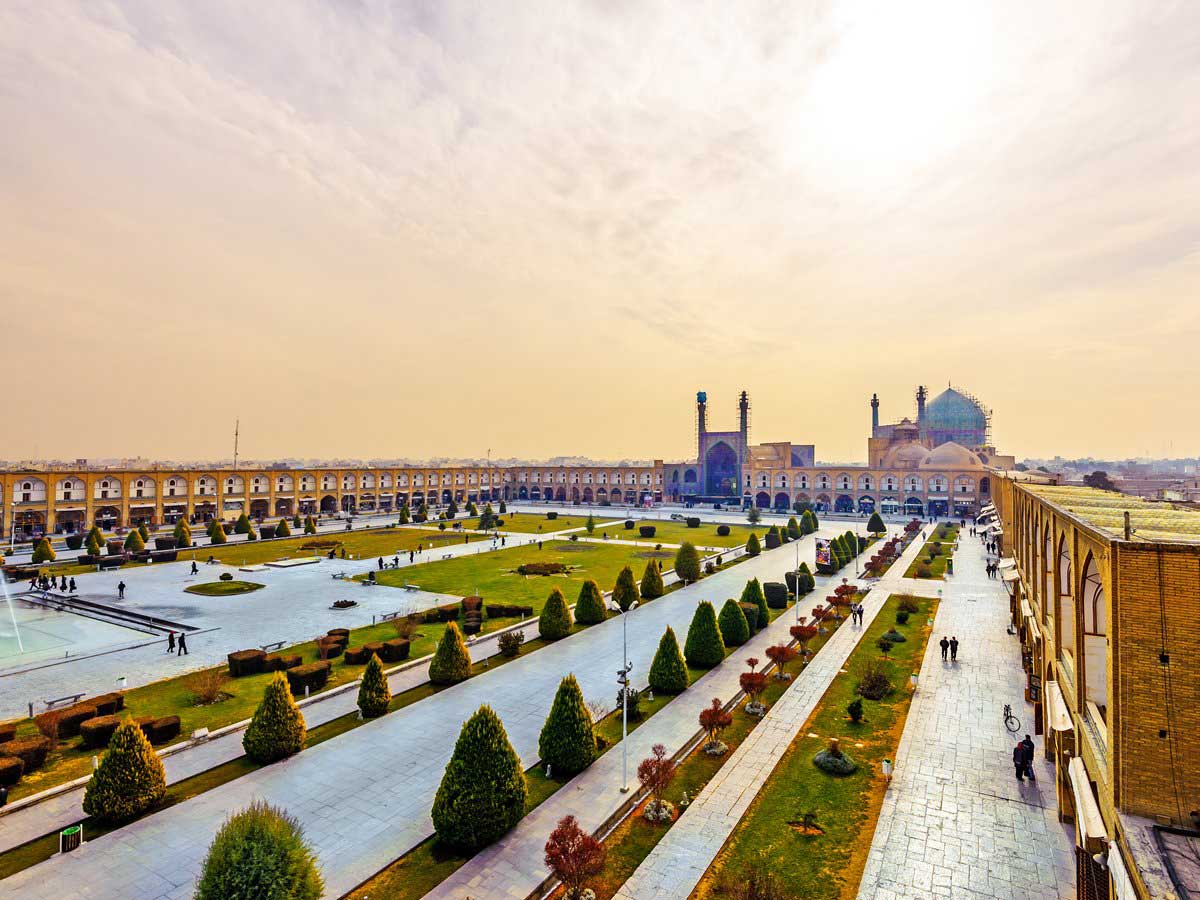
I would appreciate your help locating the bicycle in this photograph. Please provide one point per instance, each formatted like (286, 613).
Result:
(1011, 722)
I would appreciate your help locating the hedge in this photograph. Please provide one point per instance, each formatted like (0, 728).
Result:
(704, 647)
(246, 662)
(312, 676)
(31, 751)
(161, 730)
(567, 743)
(735, 630)
(692, 522)
(772, 539)
(647, 531)
(98, 732)
(69, 719)
(281, 663)
(776, 594)
(750, 611)
(11, 769)
(277, 729)
(129, 780)
(589, 607)
(396, 650)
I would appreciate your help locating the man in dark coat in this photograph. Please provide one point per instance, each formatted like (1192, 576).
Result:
(1027, 746)
(945, 645)
(953, 649)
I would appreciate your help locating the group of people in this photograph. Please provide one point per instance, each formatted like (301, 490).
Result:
(46, 582)
(949, 645)
(992, 569)
(1023, 759)
(856, 614)
(179, 648)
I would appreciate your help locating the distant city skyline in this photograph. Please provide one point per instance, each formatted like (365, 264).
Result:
(426, 229)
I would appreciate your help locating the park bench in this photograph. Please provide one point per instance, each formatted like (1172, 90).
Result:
(340, 576)
(447, 555)
(58, 701)
(274, 645)
(412, 587)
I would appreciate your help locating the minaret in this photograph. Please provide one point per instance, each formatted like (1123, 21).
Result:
(874, 414)
(701, 423)
(744, 417)
(921, 395)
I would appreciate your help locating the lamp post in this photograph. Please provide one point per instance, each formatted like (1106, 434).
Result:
(623, 681)
(797, 582)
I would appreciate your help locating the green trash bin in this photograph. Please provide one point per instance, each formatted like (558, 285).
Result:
(70, 838)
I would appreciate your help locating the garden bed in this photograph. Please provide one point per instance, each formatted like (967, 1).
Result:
(223, 588)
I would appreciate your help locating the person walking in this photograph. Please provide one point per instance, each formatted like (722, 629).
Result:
(183, 650)
(411, 555)
(1027, 756)
(195, 568)
(953, 648)
(72, 588)
(396, 561)
(170, 641)
(1018, 757)
(381, 564)
(121, 591)
(945, 645)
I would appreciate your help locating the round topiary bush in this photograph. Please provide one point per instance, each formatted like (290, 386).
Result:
(723, 530)
(260, 852)
(833, 761)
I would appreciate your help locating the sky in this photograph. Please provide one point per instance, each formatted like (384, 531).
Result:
(425, 229)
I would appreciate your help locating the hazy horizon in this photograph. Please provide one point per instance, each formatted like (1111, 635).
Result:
(429, 229)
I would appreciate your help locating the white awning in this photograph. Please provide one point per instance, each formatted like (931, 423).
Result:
(1010, 575)
(1007, 563)
(988, 507)
(994, 529)
(1088, 821)
(1025, 610)
(1059, 717)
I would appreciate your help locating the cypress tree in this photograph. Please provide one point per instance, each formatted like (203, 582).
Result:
(735, 630)
(483, 791)
(260, 852)
(283, 529)
(277, 729)
(875, 524)
(753, 548)
(451, 662)
(216, 534)
(687, 562)
(625, 591)
(567, 743)
(134, 542)
(793, 529)
(589, 608)
(753, 593)
(95, 541)
(182, 534)
(591, 523)
(704, 647)
(374, 695)
(503, 508)
(130, 778)
(43, 552)
(772, 540)
(852, 543)
(555, 619)
(814, 522)
(296, 522)
(144, 532)
(242, 526)
(310, 527)
(784, 537)
(652, 583)
(668, 671)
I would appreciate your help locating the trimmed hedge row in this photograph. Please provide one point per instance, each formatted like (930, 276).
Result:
(501, 611)
(312, 676)
(776, 594)
(31, 751)
(11, 769)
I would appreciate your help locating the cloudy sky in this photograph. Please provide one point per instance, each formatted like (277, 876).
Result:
(373, 228)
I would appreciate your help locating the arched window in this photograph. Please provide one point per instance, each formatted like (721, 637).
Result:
(1066, 605)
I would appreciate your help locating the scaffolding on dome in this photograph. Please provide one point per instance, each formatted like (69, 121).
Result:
(987, 414)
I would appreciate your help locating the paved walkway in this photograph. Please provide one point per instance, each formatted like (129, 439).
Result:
(364, 797)
(956, 822)
(677, 863)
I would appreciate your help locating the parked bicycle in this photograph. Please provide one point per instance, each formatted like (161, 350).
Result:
(1011, 722)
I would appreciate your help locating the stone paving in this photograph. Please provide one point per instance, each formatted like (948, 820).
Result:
(955, 821)
(364, 797)
(677, 863)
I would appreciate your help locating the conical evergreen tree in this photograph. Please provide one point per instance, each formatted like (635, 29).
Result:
(129, 780)
(374, 695)
(590, 525)
(451, 662)
(784, 537)
(687, 562)
(310, 526)
(405, 514)
(625, 592)
(43, 552)
(875, 524)
(735, 630)
(652, 582)
(483, 791)
(242, 525)
(772, 540)
(793, 529)
(567, 743)
(668, 671)
(753, 547)
(277, 729)
(134, 542)
(95, 541)
(283, 529)
(216, 534)
(144, 531)
(297, 522)
(753, 593)
(183, 534)
(813, 522)
(555, 619)
(260, 852)
(589, 608)
(704, 647)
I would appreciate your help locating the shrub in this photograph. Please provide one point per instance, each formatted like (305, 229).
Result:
(31, 751)
(43, 552)
(692, 521)
(668, 671)
(573, 856)
(833, 761)
(551, 516)
(94, 542)
(567, 743)
(161, 730)
(808, 522)
(510, 642)
(395, 650)
(924, 571)
(260, 852)
(793, 529)
(652, 582)
(750, 611)
(629, 523)
(625, 592)
(803, 634)
(555, 619)
(310, 527)
(217, 533)
(246, 662)
(776, 593)
(884, 645)
(894, 636)
(772, 540)
(242, 525)
(855, 710)
(875, 524)
(901, 617)
(630, 698)
(451, 663)
(373, 693)
(753, 548)
(134, 542)
(283, 529)
(753, 593)
(11, 769)
(647, 531)
(74, 541)
(656, 772)
(735, 630)
(873, 680)
(687, 562)
(129, 780)
(908, 604)
(715, 719)
(589, 608)
(97, 731)
(704, 647)
(723, 530)
(482, 793)
(277, 728)
(311, 676)
(67, 721)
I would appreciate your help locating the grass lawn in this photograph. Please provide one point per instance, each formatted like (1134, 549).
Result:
(493, 575)
(534, 523)
(223, 588)
(669, 532)
(940, 547)
(386, 542)
(827, 864)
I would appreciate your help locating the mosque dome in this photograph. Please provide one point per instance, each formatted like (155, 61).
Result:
(907, 455)
(954, 413)
(950, 456)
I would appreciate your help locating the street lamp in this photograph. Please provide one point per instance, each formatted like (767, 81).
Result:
(797, 582)
(623, 681)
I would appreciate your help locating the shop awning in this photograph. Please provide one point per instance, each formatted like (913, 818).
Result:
(1007, 563)
(1035, 633)
(988, 507)
(1025, 609)
(1088, 821)
(1059, 717)
(1010, 575)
